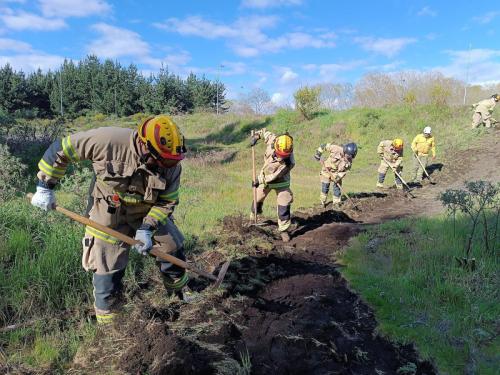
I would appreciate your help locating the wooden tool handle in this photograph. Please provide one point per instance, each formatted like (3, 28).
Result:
(129, 240)
(254, 178)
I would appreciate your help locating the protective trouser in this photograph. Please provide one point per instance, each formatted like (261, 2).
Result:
(479, 118)
(384, 167)
(417, 171)
(107, 257)
(325, 188)
(284, 197)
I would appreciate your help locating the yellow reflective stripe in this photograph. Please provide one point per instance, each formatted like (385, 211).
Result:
(130, 198)
(172, 196)
(68, 149)
(101, 235)
(278, 185)
(178, 283)
(50, 170)
(158, 215)
(105, 318)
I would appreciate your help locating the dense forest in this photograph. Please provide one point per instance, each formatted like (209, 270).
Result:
(92, 86)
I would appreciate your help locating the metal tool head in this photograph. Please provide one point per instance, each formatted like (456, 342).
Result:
(222, 274)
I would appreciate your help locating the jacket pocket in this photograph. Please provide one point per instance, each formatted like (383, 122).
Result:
(153, 188)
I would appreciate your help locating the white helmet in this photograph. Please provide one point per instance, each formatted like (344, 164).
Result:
(427, 130)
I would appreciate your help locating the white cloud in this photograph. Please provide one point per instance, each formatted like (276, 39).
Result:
(116, 42)
(487, 17)
(32, 61)
(14, 45)
(480, 65)
(330, 72)
(427, 11)
(278, 98)
(263, 4)
(246, 35)
(73, 8)
(388, 47)
(288, 76)
(29, 21)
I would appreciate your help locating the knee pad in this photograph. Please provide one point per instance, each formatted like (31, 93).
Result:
(325, 187)
(284, 213)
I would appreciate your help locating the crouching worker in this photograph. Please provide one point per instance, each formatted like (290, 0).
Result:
(334, 168)
(391, 155)
(137, 175)
(275, 175)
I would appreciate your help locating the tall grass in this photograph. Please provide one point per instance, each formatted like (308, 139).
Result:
(406, 270)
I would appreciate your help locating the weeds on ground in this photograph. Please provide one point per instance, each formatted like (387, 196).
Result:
(419, 295)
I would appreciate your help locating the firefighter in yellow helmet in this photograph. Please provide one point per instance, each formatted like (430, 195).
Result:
(391, 155)
(422, 145)
(135, 190)
(275, 175)
(483, 111)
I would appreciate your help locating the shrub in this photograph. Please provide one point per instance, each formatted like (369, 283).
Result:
(307, 101)
(12, 174)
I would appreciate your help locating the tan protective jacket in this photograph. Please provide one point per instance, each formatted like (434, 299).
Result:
(386, 150)
(485, 107)
(275, 173)
(337, 163)
(119, 169)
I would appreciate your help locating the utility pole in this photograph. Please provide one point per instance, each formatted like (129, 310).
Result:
(467, 75)
(60, 91)
(217, 89)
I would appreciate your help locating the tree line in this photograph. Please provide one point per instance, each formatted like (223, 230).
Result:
(92, 86)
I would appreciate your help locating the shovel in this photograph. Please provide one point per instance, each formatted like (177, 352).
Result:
(157, 252)
(348, 197)
(425, 170)
(400, 178)
(254, 179)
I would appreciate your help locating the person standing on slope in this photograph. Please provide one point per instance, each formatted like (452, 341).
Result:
(421, 145)
(334, 168)
(275, 175)
(483, 111)
(135, 190)
(390, 152)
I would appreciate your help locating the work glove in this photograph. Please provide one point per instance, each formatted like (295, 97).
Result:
(44, 198)
(255, 184)
(145, 236)
(253, 141)
(317, 156)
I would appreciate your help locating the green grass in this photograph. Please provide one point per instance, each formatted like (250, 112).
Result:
(406, 271)
(41, 277)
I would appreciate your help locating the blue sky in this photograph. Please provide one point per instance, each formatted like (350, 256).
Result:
(277, 45)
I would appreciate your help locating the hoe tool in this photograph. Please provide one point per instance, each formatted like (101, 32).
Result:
(400, 178)
(342, 191)
(156, 251)
(254, 179)
(425, 170)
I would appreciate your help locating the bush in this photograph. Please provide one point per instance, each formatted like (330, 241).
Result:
(307, 101)
(12, 174)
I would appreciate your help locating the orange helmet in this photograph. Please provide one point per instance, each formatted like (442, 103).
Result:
(162, 137)
(397, 144)
(283, 145)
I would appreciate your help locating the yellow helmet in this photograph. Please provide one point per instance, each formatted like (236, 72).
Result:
(283, 145)
(397, 144)
(162, 137)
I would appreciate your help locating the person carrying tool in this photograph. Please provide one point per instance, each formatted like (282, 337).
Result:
(390, 152)
(421, 145)
(275, 175)
(334, 168)
(135, 190)
(483, 111)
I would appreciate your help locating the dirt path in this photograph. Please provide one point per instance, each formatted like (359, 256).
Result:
(285, 307)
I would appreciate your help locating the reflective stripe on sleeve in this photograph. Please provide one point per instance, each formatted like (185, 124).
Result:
(68, 149)
(158, 214)
(50, 170)
(172, 196)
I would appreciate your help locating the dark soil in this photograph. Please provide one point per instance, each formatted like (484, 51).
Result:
(285, 307)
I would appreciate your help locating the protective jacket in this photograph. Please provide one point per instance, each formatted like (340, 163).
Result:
(336, 165)
(119, 170)
(485, 107)
(387, 151)
(422, 145)
(275, 173)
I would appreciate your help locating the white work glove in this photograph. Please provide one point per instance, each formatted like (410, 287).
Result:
(145, 237)
(44, 198)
